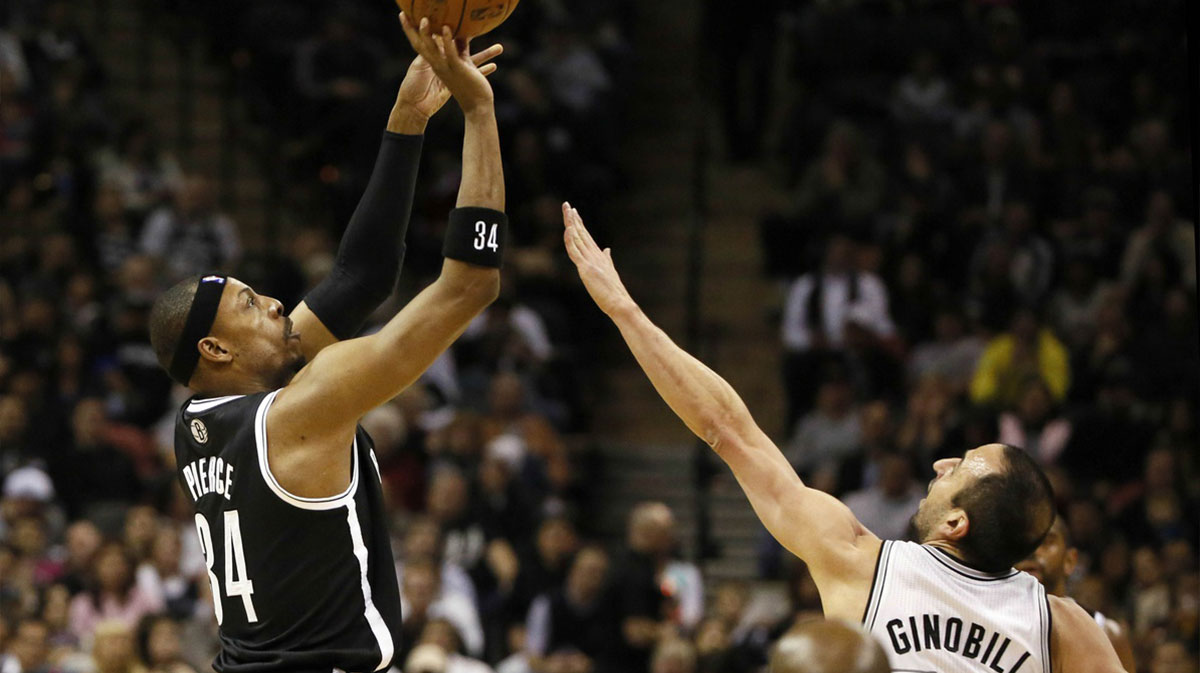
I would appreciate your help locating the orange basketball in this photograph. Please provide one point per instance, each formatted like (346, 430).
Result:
(468, 18)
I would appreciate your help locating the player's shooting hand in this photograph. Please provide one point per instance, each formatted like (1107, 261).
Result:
(424, 93)
(463, 76)
(595, 266)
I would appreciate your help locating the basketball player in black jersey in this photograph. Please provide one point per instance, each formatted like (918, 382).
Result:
(1052, 563)
(289, 509)
(971, 526)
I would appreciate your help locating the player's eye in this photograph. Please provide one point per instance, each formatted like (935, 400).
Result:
(249, 300)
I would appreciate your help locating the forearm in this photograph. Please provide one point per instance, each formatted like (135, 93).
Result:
(705, 402)
(372, 248)
(482, 170)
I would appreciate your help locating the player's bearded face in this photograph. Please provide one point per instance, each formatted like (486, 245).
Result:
(264, 337)
(934, 507)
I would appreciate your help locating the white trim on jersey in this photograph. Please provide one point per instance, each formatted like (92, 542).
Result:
(378, 628)
(1047, 626)
(331, 502)
(200, 406)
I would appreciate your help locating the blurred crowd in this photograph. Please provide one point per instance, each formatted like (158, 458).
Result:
(988, 240)
(989, 237)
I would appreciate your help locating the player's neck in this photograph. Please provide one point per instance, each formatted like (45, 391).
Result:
(232, 385)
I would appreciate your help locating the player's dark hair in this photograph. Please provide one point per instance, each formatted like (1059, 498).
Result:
(1009, 512)
(168, 317)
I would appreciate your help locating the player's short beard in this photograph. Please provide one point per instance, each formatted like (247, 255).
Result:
(923, 521)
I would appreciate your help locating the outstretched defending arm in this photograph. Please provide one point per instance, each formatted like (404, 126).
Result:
(371, 252)
(811, 524)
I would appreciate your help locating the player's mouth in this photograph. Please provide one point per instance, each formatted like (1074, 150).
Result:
(287, 330)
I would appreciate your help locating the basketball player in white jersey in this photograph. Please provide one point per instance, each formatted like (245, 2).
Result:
(952, 604)
(1052, 563)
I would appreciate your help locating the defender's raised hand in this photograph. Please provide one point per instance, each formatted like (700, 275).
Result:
(595, 266)
(453, 64)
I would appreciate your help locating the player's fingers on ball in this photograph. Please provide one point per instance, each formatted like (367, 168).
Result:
(449, 46)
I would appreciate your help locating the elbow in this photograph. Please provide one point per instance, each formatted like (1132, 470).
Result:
(722, 433)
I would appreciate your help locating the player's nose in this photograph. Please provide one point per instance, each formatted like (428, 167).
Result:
(275, 307)
(944, 465)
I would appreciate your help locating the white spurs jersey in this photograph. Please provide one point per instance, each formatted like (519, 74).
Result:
(935, 615)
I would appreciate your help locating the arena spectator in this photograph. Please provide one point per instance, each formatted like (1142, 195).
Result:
(1034, 425)
(111, 596)
(830, 433)
(1027, 351)
(144, 175)
(951, 355)
(641, 606)
(424, 601)
(887, 507)
(571, 627)
(28, 648)
(817, 308)
(191, 236)
(158, 646)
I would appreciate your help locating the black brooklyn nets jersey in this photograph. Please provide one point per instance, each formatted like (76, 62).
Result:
(299, 584)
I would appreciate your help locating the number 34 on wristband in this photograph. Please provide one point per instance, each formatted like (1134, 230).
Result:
(485, 236)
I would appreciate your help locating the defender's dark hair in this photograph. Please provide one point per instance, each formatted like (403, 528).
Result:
(1009, 512)
(168, 317)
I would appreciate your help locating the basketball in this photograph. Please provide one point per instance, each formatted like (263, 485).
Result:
(469, 18)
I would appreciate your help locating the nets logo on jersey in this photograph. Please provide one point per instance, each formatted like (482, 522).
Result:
(199, 430)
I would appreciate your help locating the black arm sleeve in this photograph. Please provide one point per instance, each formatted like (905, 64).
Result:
(372, 248)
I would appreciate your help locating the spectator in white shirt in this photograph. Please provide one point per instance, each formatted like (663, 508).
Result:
(422, 601)
(815, 314)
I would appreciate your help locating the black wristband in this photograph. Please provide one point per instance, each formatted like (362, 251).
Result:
(476, 236)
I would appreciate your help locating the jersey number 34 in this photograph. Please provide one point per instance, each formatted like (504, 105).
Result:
(236, 582)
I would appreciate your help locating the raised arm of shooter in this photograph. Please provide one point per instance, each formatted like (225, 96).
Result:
(371, 252)
(813, 525)
(312, 420)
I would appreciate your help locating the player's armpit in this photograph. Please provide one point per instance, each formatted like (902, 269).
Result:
(1077, 643)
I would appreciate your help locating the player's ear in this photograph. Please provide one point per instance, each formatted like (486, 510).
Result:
(956, 524)
(212, 350)
(1070, 560)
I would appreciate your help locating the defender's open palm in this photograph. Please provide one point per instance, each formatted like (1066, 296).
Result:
(595, 266)
(451, 61)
